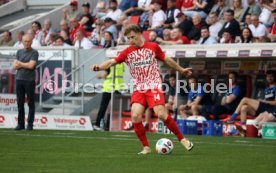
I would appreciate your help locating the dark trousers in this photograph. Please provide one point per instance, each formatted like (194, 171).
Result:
(25, 87)
(104, 103)
(219, 110)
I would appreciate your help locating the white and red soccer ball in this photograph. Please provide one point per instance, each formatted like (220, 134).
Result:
(164, 146)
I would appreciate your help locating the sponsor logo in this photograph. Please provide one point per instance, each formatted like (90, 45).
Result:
(43, 120)
(244, 53)
(2, 119)
(82, 121)
(65, 121)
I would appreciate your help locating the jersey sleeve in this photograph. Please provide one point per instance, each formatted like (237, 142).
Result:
(159, 53)
(237, 90)
(121, 57)
(190, 96)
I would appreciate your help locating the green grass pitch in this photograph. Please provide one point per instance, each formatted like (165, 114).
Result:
(41, 151)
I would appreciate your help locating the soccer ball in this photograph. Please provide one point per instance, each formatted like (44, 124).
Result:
(164, 146)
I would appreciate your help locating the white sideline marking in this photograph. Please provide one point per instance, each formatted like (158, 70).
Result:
(235, 143)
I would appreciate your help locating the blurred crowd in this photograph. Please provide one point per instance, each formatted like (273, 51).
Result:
(162, 21)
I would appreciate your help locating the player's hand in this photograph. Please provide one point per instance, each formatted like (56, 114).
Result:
(95, 67)
(187, 72)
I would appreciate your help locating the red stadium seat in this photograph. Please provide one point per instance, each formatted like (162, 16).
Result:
(146, 35)
(134, 20)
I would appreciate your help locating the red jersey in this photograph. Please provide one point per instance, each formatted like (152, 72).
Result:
(143, 65)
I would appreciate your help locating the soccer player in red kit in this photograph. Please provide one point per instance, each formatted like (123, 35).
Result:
(141, 58)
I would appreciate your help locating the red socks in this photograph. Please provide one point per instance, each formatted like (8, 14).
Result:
(170, 123)
(141, 133)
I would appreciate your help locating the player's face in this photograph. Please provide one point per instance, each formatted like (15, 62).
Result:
(192, 84)
(270, 78)
(134, 39)
(231, 79)
(172, 81)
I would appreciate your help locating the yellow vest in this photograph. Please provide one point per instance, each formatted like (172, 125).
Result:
(119, 80)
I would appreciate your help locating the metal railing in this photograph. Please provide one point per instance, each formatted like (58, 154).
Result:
(80, 69)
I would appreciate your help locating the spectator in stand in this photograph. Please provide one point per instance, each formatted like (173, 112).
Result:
(231, 98)
(196, 99)
(202, 8)
(63, 25)
(152, 36)
(122, 39)
(86, 19)
(128, 6)
(7, 39)
(60, 42)
(272, 35)
(114, 12)
(75, 26)
(52, 39)
(247, 21)
(73, 13)
(184, 24)
(176, 38)
(246, 36)
(81, 41)
(171, 15)
(215, 25)
(144, 6)
(230, 24)
(258, 29)
(249, 106)
(101, 8)
(188, 5)
(35, 42)
(227, 37)
(219, 8)
(19, 44)
(95, 36)
(253, 8)
(36, 26)
(109, 25)
(108, 40)
(238, 10)
(267, 7)
(65, 35)
(166, 34)
(46, 31)
(158, 17)
(194, 34)
(205, 37)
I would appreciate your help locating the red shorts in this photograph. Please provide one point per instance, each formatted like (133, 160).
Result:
(149, 98)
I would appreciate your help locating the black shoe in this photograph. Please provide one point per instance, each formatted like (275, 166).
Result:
(29, 127)
(147, 127)
(18, 127)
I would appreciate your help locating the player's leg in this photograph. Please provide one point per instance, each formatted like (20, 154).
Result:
(148, 114)
(183, 110)
(136, 114)
(254, 104)
(267, 117)
(246, 110)
(195, 109)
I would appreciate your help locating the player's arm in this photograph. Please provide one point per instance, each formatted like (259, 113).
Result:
(270, 102)
(27, 65)
(196, 101)
(228, 99)
(104, 66)
(171, 63)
